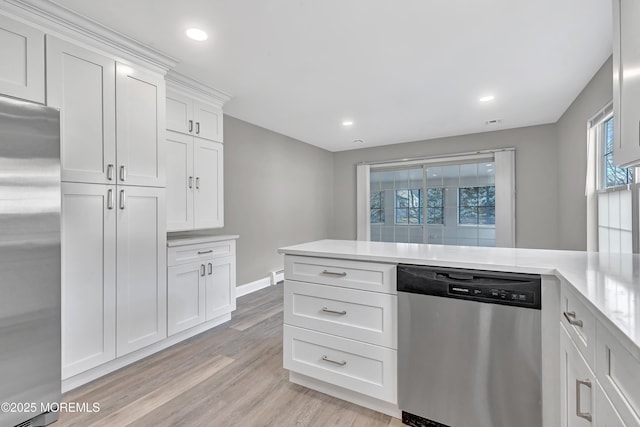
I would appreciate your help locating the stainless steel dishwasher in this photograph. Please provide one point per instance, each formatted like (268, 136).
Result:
(469, 348)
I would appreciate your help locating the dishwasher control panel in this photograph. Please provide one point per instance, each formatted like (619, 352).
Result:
(496, 294)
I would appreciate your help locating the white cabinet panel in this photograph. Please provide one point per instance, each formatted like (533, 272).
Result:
(185, 296)
(606, 415)
(579, 323)
(22, 65)
(221, 286)
(81, 84)
(626, 85)
(88, 277)
(180, 182)
(140, 127)
(179, 113)
(208, 121)
(209, 187)
(141, 275)
(578, 385)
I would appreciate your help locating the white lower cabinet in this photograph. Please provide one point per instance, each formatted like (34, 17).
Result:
(338, 337)
(578, 385)
(201, 283)
(113, 267)
(606, 414)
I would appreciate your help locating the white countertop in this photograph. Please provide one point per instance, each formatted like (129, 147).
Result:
(610, 282)
(195, 237)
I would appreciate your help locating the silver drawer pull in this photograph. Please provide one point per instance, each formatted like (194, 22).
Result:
(333, 273)
(328, 310)
(335, 362)
(202, 270)
(205, 252)
(571, 318)
(586, 415)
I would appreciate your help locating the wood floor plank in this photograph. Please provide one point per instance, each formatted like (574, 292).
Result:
(194, 384)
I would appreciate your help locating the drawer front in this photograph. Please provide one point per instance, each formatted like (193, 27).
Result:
(363, 368)
(177, 255)
(606, 414)
(619, 373)
(368, 276)
(580, 324)
(359, 315)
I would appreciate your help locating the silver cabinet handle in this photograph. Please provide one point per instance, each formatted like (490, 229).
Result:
(123, 173)
(571, 318)
(586, 415)
(333, 273)
(190, 182)
(328, 310)
(197, 183)
(335, 362)
(123, 200)
(110, 172)
(210, 268)
(205, 252)
(197, 128)
(190, 125)
(110, 199)
(202, 271)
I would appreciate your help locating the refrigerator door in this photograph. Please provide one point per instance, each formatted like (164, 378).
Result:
(29, 259)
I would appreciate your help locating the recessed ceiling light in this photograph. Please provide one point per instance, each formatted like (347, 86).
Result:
(196, 34)
(487, 98)
(347, 123)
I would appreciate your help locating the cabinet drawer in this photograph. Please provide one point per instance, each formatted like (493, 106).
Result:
(349, 313)
(203, 251)
(368, 276)
(619, 373)
(579, 322)
(364, 368)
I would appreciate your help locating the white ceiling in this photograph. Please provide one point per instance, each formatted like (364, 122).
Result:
(402, 70)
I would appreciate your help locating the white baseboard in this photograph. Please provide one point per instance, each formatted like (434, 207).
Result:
(253, 286)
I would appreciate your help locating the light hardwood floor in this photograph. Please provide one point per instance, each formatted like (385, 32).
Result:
(231, 375)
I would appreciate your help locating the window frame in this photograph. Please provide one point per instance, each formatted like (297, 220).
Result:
(460, 224)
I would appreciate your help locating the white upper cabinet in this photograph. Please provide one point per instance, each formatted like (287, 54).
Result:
(140, 130)
(180, 181)
(208, 199)
(81, 83)
(192, 117)
(22, 65)
(626, 84)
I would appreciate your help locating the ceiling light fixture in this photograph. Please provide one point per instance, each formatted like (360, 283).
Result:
(358, 141)
(347, 123)
(487, 98)
(196, 34)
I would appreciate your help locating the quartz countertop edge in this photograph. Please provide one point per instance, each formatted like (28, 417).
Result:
(598, 278)
(194, 239)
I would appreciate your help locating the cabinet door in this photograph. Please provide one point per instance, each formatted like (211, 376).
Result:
(88, 277)
(141, 274)
(22, 65)
(179, 113)
(180, 182)
(577, 386)
(626, 63)
(81, 84)
(140, 127)
(221, 286)
(185, 296)
(606, 415)
(209, 190)
(208, 121)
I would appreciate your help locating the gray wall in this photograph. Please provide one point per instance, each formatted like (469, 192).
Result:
(572, 157)
(278, 192)
(536, 178)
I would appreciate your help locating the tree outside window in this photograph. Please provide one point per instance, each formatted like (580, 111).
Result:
(435, 206)
(408, 207)
(612, 176)
(377, 207)
(477, 205)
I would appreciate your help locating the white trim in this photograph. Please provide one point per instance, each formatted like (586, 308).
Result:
(363, 191)
(256, 285)
(120, 362)
(456, 157)
(56, 18)
(195, 89)
(276, 276)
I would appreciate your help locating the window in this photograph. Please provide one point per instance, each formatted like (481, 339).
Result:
(409, 206)
(435, 206)
(612, 176)
(377, 207)
(477, 205)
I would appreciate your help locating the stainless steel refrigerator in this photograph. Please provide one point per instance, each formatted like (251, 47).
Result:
(29, 262)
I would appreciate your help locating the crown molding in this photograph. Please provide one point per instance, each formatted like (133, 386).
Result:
(58, 18)
(194, 88)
